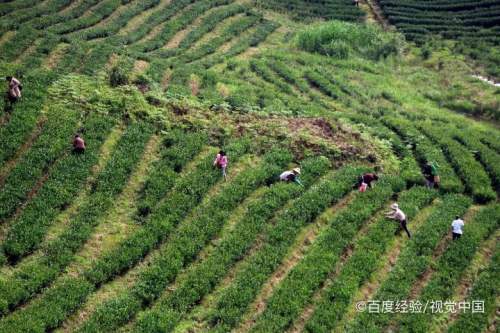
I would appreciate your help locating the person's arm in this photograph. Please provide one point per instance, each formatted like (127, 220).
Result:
(297, 180)
(390, 214)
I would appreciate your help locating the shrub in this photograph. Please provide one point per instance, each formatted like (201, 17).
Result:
(118, 76)
(342, 40)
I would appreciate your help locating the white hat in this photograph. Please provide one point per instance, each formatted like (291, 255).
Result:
(296, 170)
(394, 206)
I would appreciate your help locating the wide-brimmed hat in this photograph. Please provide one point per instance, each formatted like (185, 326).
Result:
(296, 170)
(394, 206)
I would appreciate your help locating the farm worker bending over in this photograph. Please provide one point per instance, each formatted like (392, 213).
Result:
(456, 228)
(221, 162)
(367, 179)
(398, 215)
(14, 92)
(431, 174)
(291, 176)
(78, 145)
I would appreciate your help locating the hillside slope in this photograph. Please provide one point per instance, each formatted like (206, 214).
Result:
(142, 234)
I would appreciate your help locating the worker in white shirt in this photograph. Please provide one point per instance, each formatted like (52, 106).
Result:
(291, 176)
(457, 227)
(399, 216)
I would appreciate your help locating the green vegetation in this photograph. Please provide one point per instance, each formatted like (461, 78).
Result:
(343, 40)
(335, 300)
(474, 24)
(485, 289)
(202, 278)
(452, 263)
(235, 299)
(307, 276)
(309, 9)
(158, 87)
(413, 261)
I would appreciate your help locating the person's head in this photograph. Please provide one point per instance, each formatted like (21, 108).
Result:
(296, 171)
(457, 217)
(375, 176)
(77, 136)
(222, 153)
(8, 78)
(394, 206)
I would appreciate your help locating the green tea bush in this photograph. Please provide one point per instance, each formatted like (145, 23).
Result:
(489, 158)
(485, 288)
(52, 144)
(236, 297)
(100, 12)
(21, 15)
(426, 151)
(58, 253)
(178, 23)
(9, 7)
(177, 149)
(306, 10)
(46, 21)
(25, 114)
(60, 189)
(476, 181)
(113, 26)
(368, 250)
(451, 265)
(185, 195)
(203, 278)
(184, 244)
(296, 290)
(412, 261)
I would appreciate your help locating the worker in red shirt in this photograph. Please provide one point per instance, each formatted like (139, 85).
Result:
(78, 145)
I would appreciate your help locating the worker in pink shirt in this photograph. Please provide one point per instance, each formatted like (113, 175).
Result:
(78, 145)
(14, 92)
(221, 162)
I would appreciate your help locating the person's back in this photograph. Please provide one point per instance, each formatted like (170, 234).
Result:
(399, 215)
(78, 144)
(427, 170)
(14, 87)
(221, 162)
(291, 176)
(287, 175)
(368, 178)
(457, 227)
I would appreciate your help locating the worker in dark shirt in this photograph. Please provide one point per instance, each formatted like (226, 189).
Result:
(368, 178)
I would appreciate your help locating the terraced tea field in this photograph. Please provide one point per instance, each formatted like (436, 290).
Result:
(142, 234)
(475, 23)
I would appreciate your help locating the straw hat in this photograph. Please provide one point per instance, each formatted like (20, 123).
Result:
(296, 170)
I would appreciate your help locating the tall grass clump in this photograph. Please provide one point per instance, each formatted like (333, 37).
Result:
(343, 40)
